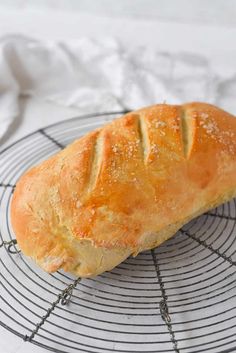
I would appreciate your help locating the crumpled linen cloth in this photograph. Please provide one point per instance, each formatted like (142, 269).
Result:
(98, 76)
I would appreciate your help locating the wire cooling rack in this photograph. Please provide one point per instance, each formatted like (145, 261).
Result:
(180, 297)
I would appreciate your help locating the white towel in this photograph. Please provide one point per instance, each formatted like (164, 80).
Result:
(102, 75)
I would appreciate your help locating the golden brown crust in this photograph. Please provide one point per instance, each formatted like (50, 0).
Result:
(125, 187)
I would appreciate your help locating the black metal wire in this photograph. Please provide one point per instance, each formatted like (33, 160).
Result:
(164, 310)
(63, 297)
(209, 247)
(58, 144)
(7, 185)
(197, 272)
(9, 245)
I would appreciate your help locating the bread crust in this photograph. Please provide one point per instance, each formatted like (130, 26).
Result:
(125, 187)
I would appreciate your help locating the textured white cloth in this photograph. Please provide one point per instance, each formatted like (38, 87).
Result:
(102, 75)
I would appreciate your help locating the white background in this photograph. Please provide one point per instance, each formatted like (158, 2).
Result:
(202, 26)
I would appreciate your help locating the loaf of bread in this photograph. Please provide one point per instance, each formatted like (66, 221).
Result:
(126, 187)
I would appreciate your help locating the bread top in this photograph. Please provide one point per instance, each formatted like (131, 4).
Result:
(132, 178)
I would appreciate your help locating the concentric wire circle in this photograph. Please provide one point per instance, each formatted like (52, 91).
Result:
(119, 311)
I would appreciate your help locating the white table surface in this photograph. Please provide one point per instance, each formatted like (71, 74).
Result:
(216, 42)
